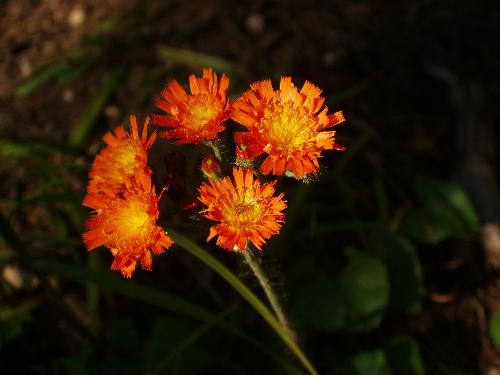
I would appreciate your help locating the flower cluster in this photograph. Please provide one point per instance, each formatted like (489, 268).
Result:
(285, 132)
(124, 201)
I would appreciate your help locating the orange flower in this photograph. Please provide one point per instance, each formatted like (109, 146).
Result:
(245, 209)
(287, 125)
(127, 225)
(119, 160)
(196, 117)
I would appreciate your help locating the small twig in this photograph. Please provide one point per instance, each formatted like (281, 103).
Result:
(268, 290)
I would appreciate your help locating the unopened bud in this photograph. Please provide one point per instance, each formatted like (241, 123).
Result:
(210, 167)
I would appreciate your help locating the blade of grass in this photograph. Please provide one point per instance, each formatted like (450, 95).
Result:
(191, 339)
(246, 293)
(89, 118)
(36, 81)
(124, 287)
(195, 59)
(153, 297)
(114, 284)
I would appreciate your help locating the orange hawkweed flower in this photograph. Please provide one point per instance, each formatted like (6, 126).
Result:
(287, 124)
(127, 225)
(119, 160)
(196, 117)
(245, 209)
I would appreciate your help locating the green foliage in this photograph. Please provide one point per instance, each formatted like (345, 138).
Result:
(246, 293)
(444, 211)
(403, 266)
(196, 59)
(400, 356)
(13, 319)
(494, 328)
(354, 301)
(38, 80)
(64, 72)
(339, 299)
(365, 363)
(89, 118)
(404, 357)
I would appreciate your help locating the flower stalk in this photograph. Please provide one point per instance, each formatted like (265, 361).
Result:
(269, 291)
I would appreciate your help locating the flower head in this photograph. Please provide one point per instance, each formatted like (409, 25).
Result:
(119, 160)
(245, 209)
(127, 224)
(196, 117)
(287, 124)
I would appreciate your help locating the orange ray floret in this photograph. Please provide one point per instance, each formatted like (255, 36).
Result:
(127, 225)
(245, 209)
(287, 124)
(196, 117)
(119, 160)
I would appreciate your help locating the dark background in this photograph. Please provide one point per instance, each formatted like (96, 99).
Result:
(388, 261)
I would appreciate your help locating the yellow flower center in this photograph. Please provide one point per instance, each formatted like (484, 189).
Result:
(201, 109)
(124, 158)
(244, 212)
(133, 220)
(287, 128)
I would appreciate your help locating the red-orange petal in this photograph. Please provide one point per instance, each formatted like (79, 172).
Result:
(197, 116)
(287, 125)
(245, 209)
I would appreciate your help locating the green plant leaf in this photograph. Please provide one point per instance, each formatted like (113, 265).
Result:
(354, 301)
(245, 292)
(403, 266)
(365, 363)
(13, 319)
(404, 357)
(495, 328)
(445, 211)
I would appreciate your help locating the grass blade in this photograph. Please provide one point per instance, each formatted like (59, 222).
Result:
(133, 290)
(89, 118)
(38, 80)
(153, 297)
(195, 59)
(191, 339)
(245, 292)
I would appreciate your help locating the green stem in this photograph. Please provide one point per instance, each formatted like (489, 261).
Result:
(246, 293)
(215, 149)
(268, 290)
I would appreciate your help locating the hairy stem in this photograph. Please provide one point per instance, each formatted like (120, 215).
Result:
(268, 290)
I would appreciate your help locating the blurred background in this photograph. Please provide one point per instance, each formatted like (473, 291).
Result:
(389, 259)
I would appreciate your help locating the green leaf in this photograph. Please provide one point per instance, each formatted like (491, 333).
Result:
(404, 357)
(403, 266)
(196, 59)
(90, 116)
(354, 301)
(245, 292)
(445, 211)
(495, 328)
(13, 319)
(365, 363)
